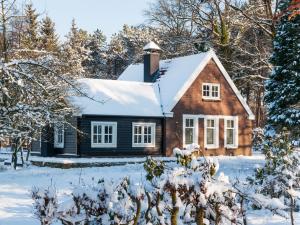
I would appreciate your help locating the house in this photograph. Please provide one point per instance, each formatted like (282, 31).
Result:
(153, 107)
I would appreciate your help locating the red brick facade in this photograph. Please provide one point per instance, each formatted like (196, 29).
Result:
(192, 103)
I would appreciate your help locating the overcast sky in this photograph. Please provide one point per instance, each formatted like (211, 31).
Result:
(107, 15)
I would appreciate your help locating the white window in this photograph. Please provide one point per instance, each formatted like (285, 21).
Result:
(231, 132)
(143, 134)
(103, 134)
(190, 130)
(59, 135)
(211, 133)
(210, 91)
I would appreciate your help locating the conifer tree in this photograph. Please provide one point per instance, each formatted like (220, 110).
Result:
(30, 38)
(96, 62)
(75, 51)
(283, 87)
(49, 39)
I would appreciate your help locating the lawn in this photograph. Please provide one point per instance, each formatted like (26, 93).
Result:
(16, 204)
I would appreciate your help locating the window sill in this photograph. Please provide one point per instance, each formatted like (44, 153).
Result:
(231, 147)
(103, 146)
(211, 147)
(143, 146)
(59, 147)
(211, 99)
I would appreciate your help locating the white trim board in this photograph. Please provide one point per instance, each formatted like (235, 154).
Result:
(211, 55)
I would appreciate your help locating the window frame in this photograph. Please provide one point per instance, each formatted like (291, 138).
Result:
(216, 133)
(235, 132)
(211, 85)
(114, 134)
(153, 134)
(56, 143)
(195, 130)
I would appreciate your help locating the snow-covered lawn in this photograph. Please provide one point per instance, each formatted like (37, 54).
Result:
(16, 204)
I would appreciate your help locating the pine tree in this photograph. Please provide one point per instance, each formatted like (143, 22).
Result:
(75, 51)
(30, 38)
(283, 87)
(49, 39)
(96, 62)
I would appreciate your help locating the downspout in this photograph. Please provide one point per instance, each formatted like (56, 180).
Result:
(164, 121)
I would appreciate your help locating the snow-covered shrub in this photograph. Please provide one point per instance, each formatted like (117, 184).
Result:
(279, 179)
(191, 193)
(45, 204)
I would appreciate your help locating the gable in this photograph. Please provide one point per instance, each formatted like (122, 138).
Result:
(191, 102)
(218, 65)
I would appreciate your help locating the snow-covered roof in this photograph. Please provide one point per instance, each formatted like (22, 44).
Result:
(179, 74)
(130, 96)
(118, 98)
(151, 46)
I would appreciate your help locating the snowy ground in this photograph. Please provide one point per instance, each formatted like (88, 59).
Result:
(16, 204)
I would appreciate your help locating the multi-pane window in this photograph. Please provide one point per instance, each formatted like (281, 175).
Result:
(143, 135)
(59, 135)
(211, 91)
(231, 138)
(211, 133)
(206, 88)
(189, 131)
(104, 134)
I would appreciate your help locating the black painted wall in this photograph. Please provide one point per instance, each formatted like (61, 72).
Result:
(124, 137)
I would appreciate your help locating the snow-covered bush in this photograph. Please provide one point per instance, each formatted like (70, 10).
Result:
(45, 204)
(280, 177)
(189, 192)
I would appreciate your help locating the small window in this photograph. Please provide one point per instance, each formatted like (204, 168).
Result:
(59, 135)
(104, 134)
(211, 133)
(231, 133)
(143, 135)
(211, 91)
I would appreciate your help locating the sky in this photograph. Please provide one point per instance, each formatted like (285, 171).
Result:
(106, 15)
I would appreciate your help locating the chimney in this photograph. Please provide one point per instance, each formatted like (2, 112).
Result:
(151, 62)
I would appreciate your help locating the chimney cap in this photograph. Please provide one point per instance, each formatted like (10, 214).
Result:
(152, 47)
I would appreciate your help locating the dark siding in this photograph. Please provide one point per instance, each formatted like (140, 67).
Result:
(124, 137)
(36, 147)
(70, 139)
(45, 146)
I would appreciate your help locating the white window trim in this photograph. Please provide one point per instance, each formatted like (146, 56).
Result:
(56, 144)
(235, 132)
(114, 135)
(153, 135)
(210, 97)
(216, 133)
(195, 131)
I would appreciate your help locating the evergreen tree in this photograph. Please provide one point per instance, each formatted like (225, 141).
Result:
(75, 51)
(49, 39)
(29, 39)
(96, 62)
(283, 87)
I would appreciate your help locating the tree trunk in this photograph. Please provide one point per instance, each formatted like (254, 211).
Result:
(243, 211)
(292, 210)
(175, 209)
(28, 154)
(147, 214)
(138, 211)
(22, 158)
(218, 215)
(4, 20)
(199, 215)
(157, 205)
